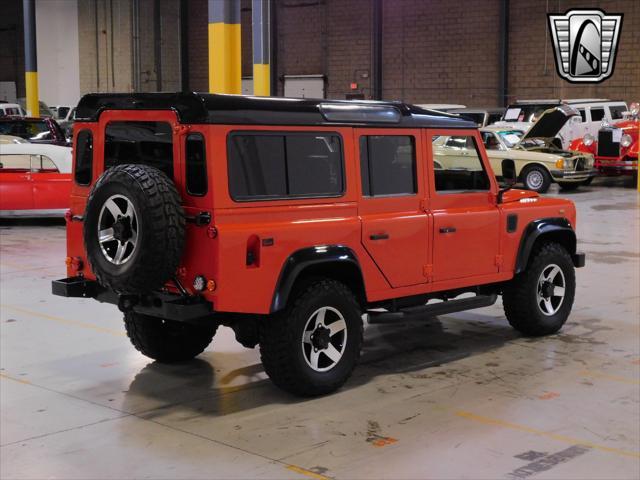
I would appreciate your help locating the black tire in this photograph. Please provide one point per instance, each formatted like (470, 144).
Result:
(520, 296)
(167, 341)
(284, 352)
(588, 181)
(569, 186)
(536, 178)
(159, 226)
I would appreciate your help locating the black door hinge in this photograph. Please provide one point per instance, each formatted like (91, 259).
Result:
(203, 218)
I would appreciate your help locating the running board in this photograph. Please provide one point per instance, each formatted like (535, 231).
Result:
(434, 309)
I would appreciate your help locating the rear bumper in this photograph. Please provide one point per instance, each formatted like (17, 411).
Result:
(579, 259)
(164, 305)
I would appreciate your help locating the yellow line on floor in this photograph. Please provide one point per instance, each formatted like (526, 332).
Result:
(19, 380)
(541, 433)
(65, 321)
(615, 378)
(306, 472)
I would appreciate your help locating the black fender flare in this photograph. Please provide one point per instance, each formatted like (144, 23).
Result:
(302, 259)
(558, 227)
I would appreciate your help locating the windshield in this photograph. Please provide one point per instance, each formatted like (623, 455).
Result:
(526, 113)
(29, 130)
(62, 112)
(510, 137)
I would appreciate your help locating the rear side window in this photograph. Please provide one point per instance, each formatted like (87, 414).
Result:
(84, 157)
(196, 164)
(388, 165)
(293, 165)
(617, 111)
(148, 143)
(43, 164)
(597, 114)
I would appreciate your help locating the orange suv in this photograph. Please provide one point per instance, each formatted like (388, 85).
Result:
(289, 219)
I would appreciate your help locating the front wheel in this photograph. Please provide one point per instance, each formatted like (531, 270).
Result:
(538, 301)
(313, 345)
(167, 341)
(536, 178)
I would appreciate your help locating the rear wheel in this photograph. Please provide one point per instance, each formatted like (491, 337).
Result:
(167, 341)
(313, 345)
(539, 300)
(536, 178)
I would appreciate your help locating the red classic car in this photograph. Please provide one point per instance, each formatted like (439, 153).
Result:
(616, 148)
(35, 180)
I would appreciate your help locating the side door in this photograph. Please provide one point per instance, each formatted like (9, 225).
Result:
(465, 214)
(51, 189)
(16, 188)
(395, 225)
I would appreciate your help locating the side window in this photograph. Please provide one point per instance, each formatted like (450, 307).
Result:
(490, 140)
(271, 166)
(597, 114)
(84, 157)
(148, 143)
(461, 166)
(617, 111)
(583, 115)
(196, 164)
(15, 163)
(388, 165)
(42, 164)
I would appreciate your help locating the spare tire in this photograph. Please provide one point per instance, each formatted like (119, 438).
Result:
(134, 229)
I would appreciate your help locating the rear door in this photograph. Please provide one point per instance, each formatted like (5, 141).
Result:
(51, 189)
(394, 222)
(465, 214)
(16, 188)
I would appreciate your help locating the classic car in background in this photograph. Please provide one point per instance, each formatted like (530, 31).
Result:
(616, 145)
(592, 111)
(35, 130)
(35, 179)
(538, 160)
(11, 110)
(5, 139)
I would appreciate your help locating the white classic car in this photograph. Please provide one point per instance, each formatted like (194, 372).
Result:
(538, 157)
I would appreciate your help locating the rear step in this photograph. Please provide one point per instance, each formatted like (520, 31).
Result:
(440, 308)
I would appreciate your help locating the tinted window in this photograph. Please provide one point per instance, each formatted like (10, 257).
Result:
(458, 165)
(84, 157)
(388, 165)
(617, 111)
(196, 159)
(148, 143)
(33, 130)
(597, 114)
(263, 166)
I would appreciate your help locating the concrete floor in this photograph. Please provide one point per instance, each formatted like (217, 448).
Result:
(460, 396)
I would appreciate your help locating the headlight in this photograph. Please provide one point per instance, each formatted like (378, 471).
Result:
(588, 140)
(634, 108)
(568, 164)
(626, 140)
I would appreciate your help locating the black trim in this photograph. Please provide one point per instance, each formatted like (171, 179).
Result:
(300, 260)
(168, 306)
(512, 222)
(579, 259)
(544, 226)
(197, 108)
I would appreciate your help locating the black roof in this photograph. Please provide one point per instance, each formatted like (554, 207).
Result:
(245, 110)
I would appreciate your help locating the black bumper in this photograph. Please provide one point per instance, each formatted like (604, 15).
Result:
(579, 259)
(164, 305)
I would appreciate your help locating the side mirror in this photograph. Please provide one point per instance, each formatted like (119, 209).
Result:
(509, 172)
(509, 176)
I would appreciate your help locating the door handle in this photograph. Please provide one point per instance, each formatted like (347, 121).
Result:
(448, 230)
(379, 236)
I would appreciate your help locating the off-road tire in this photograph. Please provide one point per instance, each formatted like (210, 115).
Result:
(519, 297)
(161, 228)
(167, 341)
(569, 186)
(531, 170)
(281, 335)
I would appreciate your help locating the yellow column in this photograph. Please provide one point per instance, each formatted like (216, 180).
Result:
(30, 59)
(225, 54)
(260, 12)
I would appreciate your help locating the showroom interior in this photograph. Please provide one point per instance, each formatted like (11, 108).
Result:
(436, 320)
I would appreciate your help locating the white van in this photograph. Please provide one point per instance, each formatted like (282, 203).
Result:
(11, 110)
(593, 111)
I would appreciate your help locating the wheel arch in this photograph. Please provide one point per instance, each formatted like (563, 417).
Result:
(337, 262)
(552, 229)
(528, 166)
